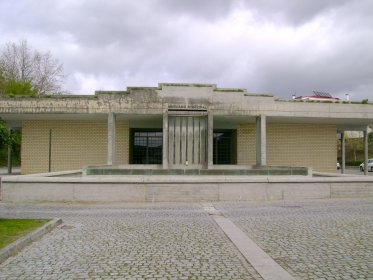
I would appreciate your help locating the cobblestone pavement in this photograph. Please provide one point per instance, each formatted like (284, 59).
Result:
(126, 242)
(314, 239)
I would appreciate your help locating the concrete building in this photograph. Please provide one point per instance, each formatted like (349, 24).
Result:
(317, 95)
(180, 126)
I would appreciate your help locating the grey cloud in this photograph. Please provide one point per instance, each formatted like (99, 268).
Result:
(294, 12)
(202, 9)
(143, 43)
(89, 22)
(343, 70)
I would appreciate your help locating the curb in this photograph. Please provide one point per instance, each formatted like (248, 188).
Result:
(19, 244)
(266, 267)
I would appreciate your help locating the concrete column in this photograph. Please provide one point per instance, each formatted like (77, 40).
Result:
(50, 151)
(366, 151)
(10, 163)
(165, 140)
(210, 140)
(343, 150)
(261, 140)
(111, 139)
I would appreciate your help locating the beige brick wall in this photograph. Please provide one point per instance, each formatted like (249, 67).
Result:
(122, 144)
(74, 145)
(246, 144)
(79, 143)
(34, 147)
(292, 145)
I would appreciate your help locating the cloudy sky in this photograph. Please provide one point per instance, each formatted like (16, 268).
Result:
(269, 46)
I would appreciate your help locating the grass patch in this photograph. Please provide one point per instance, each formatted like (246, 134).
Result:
(258, 95)
(111, 92)
(229, 90)
(185, 85)
(13, 229)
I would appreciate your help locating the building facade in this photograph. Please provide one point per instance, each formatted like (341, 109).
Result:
(179, 126)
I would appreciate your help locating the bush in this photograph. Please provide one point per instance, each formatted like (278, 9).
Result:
(353, 163)
(5, 138)
(15, 88)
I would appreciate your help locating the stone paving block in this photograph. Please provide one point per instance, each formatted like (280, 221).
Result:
(311, 239)
(126, 242)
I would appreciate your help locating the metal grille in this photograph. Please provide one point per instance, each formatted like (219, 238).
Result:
(187, 138)
(222, 147)
(147, 147)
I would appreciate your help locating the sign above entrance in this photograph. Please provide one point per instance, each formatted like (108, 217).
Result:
(187, 107)
(186, 112)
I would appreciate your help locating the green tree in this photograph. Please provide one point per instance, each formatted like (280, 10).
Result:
(13, 88)
(355, 147)
(5, 137)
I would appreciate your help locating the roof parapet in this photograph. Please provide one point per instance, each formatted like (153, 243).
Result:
(97, 92)
(160, 85)
(230, 90)
(163, 86)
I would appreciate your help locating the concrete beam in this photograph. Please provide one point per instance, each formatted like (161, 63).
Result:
(165, 140)
(150, 101)
(261, 140)
(111, 139)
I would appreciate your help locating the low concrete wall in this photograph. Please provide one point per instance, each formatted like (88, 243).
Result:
(181, 188)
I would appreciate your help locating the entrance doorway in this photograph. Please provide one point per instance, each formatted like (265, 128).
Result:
(224, 147)
(187, 141)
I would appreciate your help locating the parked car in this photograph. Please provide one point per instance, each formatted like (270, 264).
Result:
(370, 165)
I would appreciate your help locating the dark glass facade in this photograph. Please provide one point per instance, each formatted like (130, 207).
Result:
(224, 147)
(147, 147)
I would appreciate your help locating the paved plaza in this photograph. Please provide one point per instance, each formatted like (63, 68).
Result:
(127, 242)
(311, 240)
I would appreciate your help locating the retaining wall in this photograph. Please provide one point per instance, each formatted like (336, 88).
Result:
(181, 188)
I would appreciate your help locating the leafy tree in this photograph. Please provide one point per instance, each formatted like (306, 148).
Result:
(25, 70)
(356, 146)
